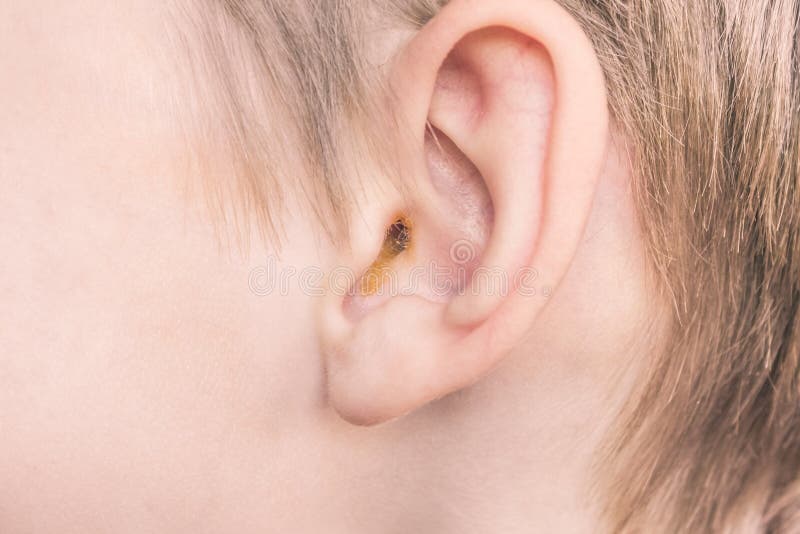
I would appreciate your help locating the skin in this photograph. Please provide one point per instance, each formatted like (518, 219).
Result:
(144, 387)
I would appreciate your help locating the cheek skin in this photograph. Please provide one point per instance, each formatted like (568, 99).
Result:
(140, 377)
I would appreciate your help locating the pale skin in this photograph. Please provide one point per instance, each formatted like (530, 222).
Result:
(144, 387)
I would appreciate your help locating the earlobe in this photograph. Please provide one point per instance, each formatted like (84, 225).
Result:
(506, 108)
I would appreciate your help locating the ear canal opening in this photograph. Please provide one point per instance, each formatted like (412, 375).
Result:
(398, 236)
(397, 240)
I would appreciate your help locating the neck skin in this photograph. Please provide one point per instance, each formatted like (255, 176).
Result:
(510, 455)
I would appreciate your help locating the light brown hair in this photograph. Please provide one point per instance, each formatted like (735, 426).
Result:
(705, 95)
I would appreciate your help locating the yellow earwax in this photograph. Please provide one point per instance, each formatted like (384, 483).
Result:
(396, 241)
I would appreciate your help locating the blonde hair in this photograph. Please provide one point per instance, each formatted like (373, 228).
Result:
(706, 94)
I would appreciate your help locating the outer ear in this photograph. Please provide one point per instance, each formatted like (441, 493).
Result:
(506, 105)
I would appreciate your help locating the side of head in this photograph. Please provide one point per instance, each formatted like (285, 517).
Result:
(533, 259)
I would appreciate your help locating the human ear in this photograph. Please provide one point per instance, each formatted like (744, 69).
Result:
(506, 107)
